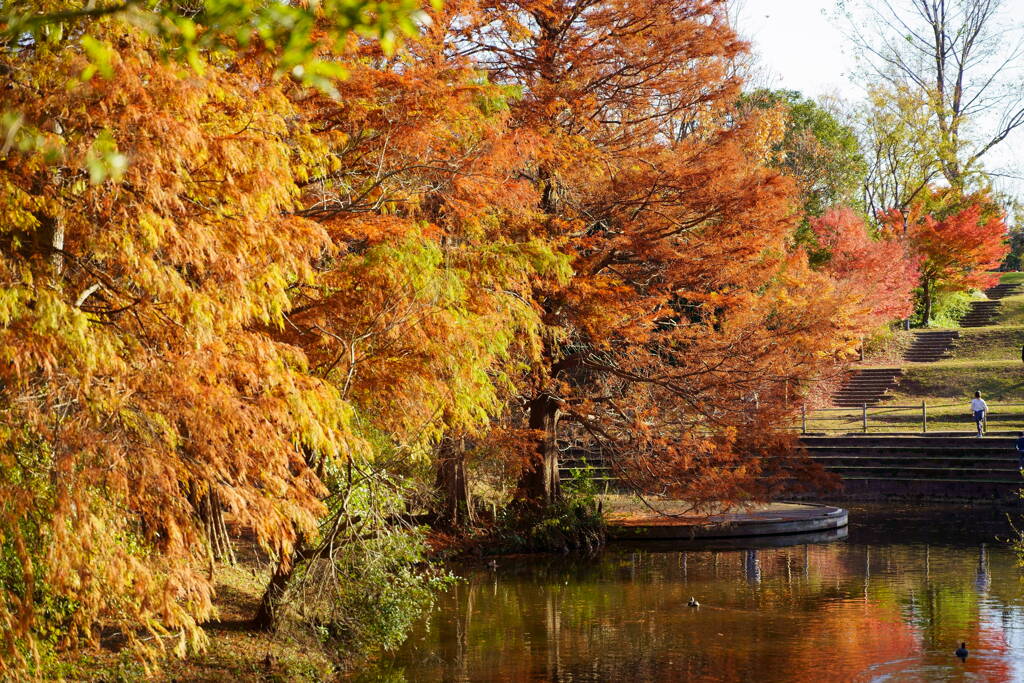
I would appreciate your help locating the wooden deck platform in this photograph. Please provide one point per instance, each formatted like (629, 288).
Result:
(773, 519)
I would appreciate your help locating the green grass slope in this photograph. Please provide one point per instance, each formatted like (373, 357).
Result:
(985, 359)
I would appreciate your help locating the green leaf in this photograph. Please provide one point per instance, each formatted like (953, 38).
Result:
(99, 54)
(104, 161)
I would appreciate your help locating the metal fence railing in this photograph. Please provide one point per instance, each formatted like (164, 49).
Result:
(918, 418)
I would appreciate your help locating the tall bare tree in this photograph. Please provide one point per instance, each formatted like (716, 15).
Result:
(963, 60)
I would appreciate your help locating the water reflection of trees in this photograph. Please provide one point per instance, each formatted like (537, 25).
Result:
(830, 611)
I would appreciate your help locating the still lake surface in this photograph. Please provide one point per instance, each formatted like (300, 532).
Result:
(889, 602)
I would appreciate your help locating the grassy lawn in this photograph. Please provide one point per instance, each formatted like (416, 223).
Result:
(1011, 278)
(906, 417)
(1012, 310)
(1000, 343)
(1000, 381)
(236, 651)
(985, 359)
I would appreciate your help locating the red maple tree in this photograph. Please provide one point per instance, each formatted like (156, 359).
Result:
(877, 274)
(959, 241)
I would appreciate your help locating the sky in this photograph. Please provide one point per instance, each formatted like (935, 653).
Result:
(800, 46)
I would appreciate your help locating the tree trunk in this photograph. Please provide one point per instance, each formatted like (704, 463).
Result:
(268, 613)
(455, 506)
(927, 315)
(210, 512)
(539, 483)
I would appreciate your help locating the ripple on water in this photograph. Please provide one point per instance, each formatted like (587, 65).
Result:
(877, 607)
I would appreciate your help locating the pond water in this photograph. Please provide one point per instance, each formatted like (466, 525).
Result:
(890, 602)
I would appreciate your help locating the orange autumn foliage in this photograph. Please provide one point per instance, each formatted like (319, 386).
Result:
(657, 187)
(545, 215)
(136, 377)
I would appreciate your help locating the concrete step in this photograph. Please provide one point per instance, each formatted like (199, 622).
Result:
(878, 371)
(863, 390)
(865, 386)
(860, 398)
(1001, 291)
(931, 459)
(888, 477)
(855, 391)
(951, 458)
(848, 446)
(929, 347)
(1006, 482)
(865, 371)
(871, 379)
(1010, 478)
(936, 440)
(1009, 473)
(874, 381)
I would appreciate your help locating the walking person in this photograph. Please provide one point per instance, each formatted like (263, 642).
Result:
(979, 408)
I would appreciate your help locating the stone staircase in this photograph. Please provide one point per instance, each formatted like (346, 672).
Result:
(597, 468)
(984, 312)
(866, 386)
(981, 313)
(929, 347)
(936, 466)
(1002, 291)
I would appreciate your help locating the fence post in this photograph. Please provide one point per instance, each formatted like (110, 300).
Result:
(924, 417)
(803, 419)
(865, 410)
